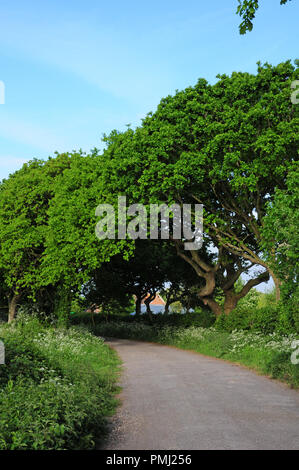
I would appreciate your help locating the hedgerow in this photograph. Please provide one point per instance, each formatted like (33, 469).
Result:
(56, 388)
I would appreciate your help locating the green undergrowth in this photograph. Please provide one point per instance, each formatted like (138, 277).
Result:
(56, 388)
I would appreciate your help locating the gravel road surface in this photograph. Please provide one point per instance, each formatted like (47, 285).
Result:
(179, 400)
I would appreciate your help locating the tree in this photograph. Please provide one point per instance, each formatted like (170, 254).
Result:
(182, 283)
(226, 146)
(105, 286)
(24, 202)
(247, 10)
(251, 300)
(145, 272)
(73, 251)
(281, 229)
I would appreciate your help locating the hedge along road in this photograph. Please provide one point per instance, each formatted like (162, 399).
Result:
(178, 400)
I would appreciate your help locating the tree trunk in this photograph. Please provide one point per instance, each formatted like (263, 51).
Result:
(213, 305)
(209, 287)
(138, 305)
(147, 302)
(277, 283)
(232, 298)
(148, 309)
(167, 304)
(149, 312)
(12, 307)
(230, 302)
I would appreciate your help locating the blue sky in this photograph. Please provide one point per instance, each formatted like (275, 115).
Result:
(76, 69)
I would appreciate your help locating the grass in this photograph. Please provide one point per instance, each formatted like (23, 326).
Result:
(56, 388)
(267, 354)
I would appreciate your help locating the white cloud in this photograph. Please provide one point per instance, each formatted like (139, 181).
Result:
(99, 55)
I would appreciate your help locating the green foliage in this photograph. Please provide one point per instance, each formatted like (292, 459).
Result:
(289, 314)
(63, 306)
(266, 298)
(56, 387)
(266, 319)
(115, 282)
(24, 203)
(78, 305)
(279, 366)
(230, 146)
(238, 319)
(72, 250)
(201, 318)
(247, 9)
(277, 317)
(282, 225)
(251, 300)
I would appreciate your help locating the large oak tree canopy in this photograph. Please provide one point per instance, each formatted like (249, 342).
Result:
(231, 146)
(24, 202)
(227, 146)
